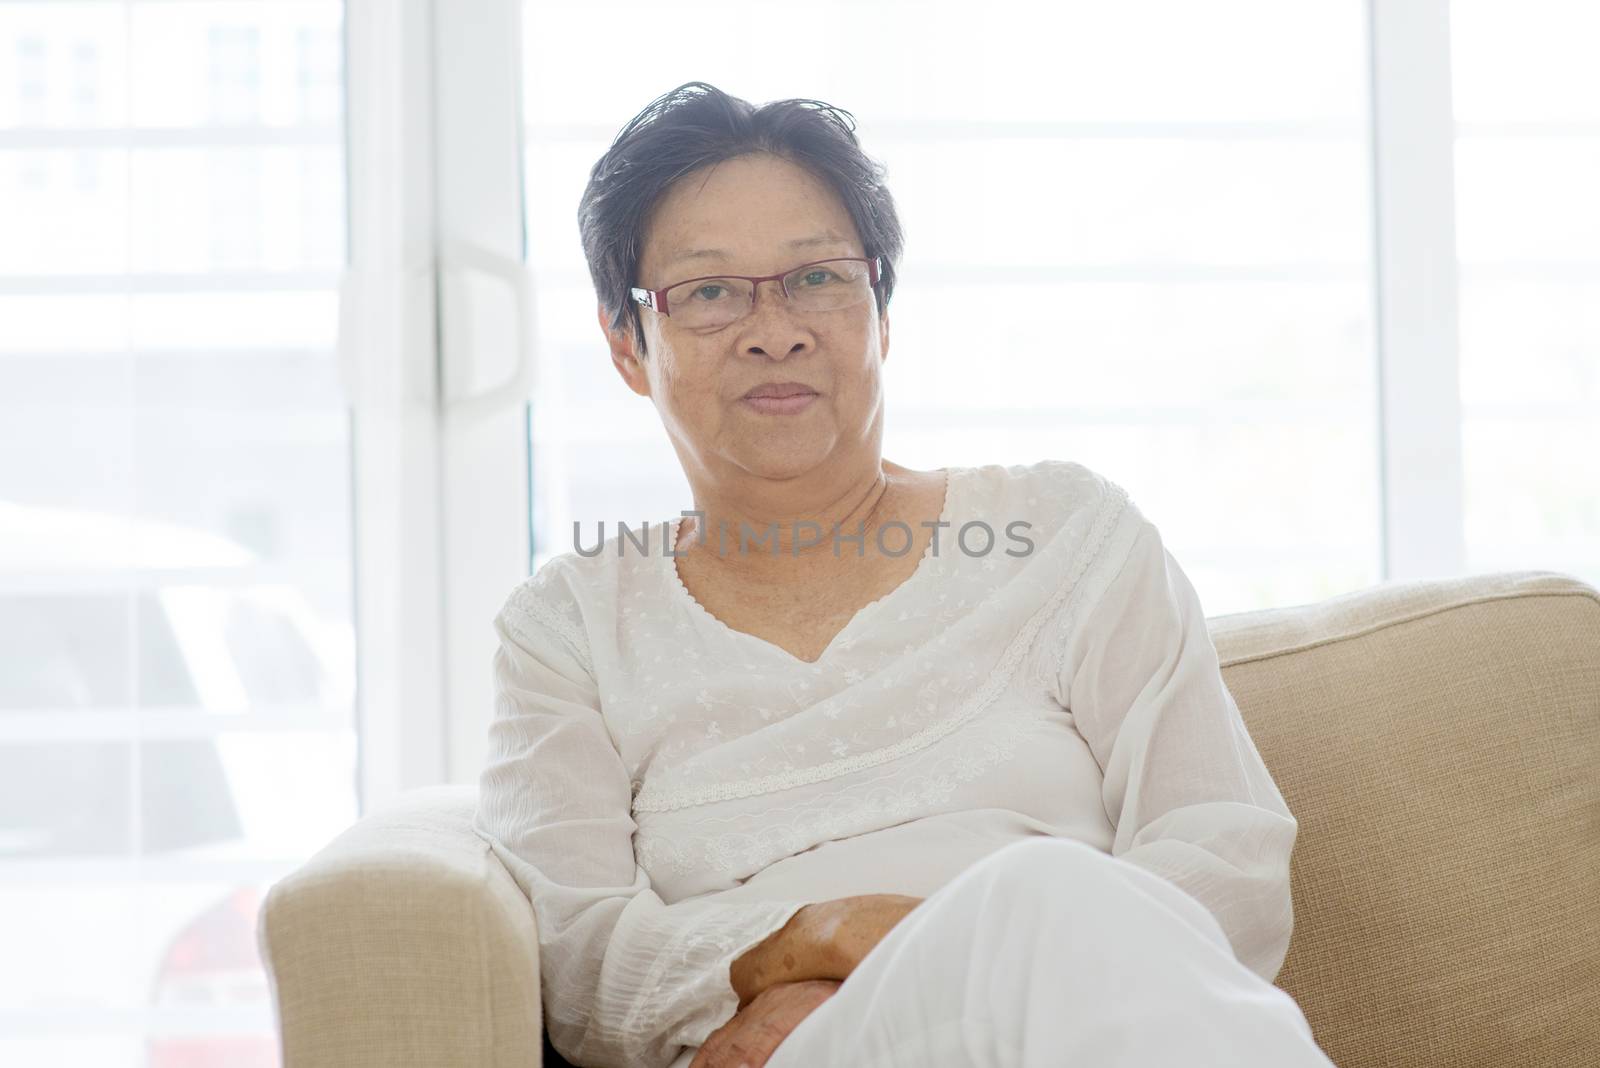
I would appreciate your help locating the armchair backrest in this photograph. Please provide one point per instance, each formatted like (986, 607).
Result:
(1439, 743)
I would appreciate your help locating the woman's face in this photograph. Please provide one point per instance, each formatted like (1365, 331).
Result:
(763, 215)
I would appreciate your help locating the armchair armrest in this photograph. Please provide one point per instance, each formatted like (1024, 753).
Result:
(404, 941)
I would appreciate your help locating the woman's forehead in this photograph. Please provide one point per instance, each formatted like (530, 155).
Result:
(821, 243)
(756, 212)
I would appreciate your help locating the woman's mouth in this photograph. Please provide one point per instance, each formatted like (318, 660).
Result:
(781, 398)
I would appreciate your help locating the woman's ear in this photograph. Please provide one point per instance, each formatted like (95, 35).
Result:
(623, 354)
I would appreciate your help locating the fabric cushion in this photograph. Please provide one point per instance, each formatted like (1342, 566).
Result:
(1439, 743)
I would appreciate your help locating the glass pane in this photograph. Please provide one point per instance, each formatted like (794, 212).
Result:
(79, 942)
(60, 799)
(176, 632)
(1133, 61)
(88, 650)
(1522, 199)
(225, 323)
(1177, 264)
(1055, 202)
(259, 209)
(97, 211)
(202, 798)
(62, 65)
(63, 210)
(271, 62)
(1528, 61)
(1533, 499)
(1529, 242)
(161, 951)
(274, 660)
(1531, 343)
(1530, 385)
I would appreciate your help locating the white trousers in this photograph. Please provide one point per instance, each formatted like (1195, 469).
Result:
(1050, 952)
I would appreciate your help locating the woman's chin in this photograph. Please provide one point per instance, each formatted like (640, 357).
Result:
(774, 457)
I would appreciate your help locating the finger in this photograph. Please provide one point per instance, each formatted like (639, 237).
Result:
(755, 1059)
(710, 1059)
(745, 1054)
(709, 1055)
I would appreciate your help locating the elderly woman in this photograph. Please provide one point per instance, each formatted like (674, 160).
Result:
(859, 764)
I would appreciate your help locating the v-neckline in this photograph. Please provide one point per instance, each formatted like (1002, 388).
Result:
(918, 575)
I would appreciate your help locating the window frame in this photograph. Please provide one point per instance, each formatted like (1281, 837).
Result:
(440, 458)
(1412, 148)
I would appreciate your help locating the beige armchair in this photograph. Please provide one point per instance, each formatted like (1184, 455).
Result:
(1439, 743)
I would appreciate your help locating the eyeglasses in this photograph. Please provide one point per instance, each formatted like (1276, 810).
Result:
(717, 300)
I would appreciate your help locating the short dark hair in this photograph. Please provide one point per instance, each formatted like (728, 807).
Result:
(696, 125)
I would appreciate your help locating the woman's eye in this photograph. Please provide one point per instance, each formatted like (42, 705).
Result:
(818, 277)
(701, 292)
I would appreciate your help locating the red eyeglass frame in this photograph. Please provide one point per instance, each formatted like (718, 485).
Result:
(656, 299)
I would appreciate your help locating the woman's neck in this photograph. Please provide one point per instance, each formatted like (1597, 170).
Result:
(782, 535)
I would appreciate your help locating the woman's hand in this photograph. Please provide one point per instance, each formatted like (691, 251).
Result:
(757, 1029)
(823, 940)
(851, 927)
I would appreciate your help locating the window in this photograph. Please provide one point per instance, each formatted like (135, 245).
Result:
(1527, 162)
(175, 515)
(1165, 271)
(1179, 262)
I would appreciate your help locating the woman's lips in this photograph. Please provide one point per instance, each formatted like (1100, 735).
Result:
(799, 402)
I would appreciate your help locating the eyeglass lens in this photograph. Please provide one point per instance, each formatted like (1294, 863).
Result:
(824, 286)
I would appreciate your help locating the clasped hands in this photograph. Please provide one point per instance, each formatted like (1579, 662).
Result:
(748, 1039)
(791, 973)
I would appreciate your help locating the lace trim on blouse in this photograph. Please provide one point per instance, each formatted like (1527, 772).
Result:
(529, 601)
(649, 799)
(905, 793)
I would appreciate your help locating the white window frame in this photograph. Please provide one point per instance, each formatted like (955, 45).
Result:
(1415, 281)
(442, 464)
(442, 535)
(389, 361)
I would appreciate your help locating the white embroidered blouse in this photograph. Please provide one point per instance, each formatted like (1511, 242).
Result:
(668, 791)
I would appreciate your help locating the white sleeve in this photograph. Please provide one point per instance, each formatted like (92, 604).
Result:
(1184, 785)
(628, 981)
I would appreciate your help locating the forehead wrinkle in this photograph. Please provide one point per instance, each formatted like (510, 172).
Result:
(681, 255)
